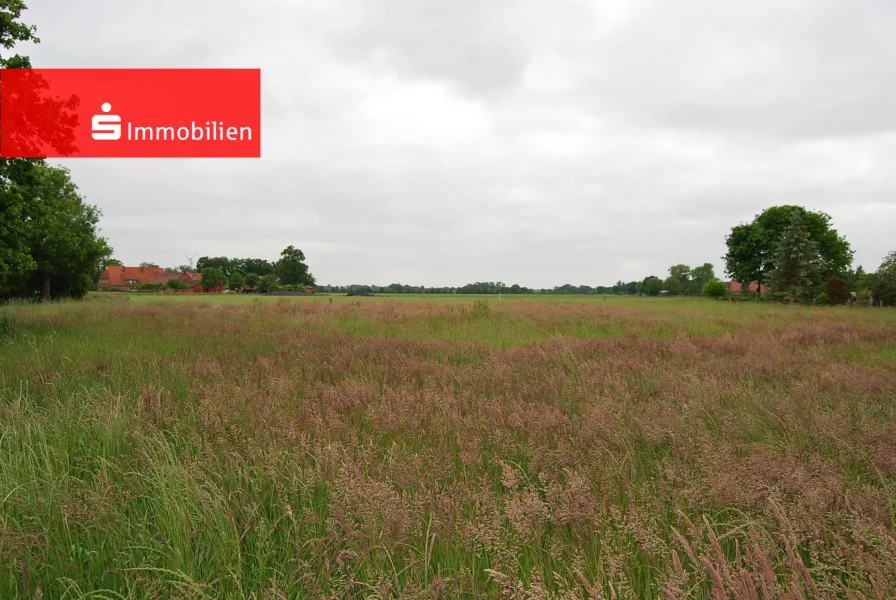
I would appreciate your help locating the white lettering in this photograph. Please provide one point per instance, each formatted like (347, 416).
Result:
(108, 127)
(145, 131)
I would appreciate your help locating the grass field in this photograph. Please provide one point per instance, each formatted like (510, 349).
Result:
(234, 447)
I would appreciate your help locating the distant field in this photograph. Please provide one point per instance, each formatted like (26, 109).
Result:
(229, 446)
(240, 298)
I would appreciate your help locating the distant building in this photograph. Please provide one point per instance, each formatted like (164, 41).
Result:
(126, 278)
(735, 287)
(129, 278)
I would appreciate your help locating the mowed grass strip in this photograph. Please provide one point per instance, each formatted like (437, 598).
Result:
(446, 447)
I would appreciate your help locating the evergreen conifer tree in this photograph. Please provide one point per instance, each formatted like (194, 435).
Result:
(797, 270)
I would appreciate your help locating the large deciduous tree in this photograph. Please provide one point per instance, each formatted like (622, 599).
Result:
(48, 238)
(753, 247)
(673, 285)
(652, 286)
(259, 266)
(60, 233)
(218, 262)
(699, 276)
(291, 268)
(15, 174)
(17, 180)
(64, 240)
(682, 273)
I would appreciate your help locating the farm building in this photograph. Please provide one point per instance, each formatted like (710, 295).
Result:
(735, 287)
(129, 278)
(126, 278)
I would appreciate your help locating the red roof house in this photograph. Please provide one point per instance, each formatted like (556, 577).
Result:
(124, 278)
(127, 278)
(735, 287)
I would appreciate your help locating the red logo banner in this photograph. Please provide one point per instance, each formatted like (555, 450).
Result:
(109, 113)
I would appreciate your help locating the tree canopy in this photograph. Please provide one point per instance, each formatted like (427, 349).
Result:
(266, 284)
(715, 289)
(753, 247)
(797, 263)
(674, 286)
(883, 284)
(652, 286)
(213, 277)
(48, 236)
(230, 266)
(291, 268)
(57, 242)
(236, 281)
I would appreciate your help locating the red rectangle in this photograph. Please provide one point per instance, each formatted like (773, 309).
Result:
(108, 113)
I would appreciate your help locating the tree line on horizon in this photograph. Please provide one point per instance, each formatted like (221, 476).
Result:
(290, 272)
(794, 251)
(683, 280)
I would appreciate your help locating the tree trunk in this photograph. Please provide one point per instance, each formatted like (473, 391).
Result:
(45, 293)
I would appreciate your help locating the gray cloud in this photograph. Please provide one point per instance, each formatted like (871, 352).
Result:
(543, 143)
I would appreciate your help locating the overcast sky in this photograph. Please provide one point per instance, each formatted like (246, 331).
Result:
(535, 142)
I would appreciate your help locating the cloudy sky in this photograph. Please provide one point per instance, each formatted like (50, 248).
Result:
(540, 142)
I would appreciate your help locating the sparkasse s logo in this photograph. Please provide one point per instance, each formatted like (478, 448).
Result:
(106, 126)
(153, 113)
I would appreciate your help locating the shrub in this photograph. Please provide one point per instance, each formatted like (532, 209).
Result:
(822, 299)
(837, 291)
(236, 282)
(268, 283)
(864, 297)
(481, 309)
(715, 289)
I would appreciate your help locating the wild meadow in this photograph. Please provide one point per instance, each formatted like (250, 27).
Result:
(455, 448)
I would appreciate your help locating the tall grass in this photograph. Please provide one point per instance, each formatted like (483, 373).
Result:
(443, 449)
